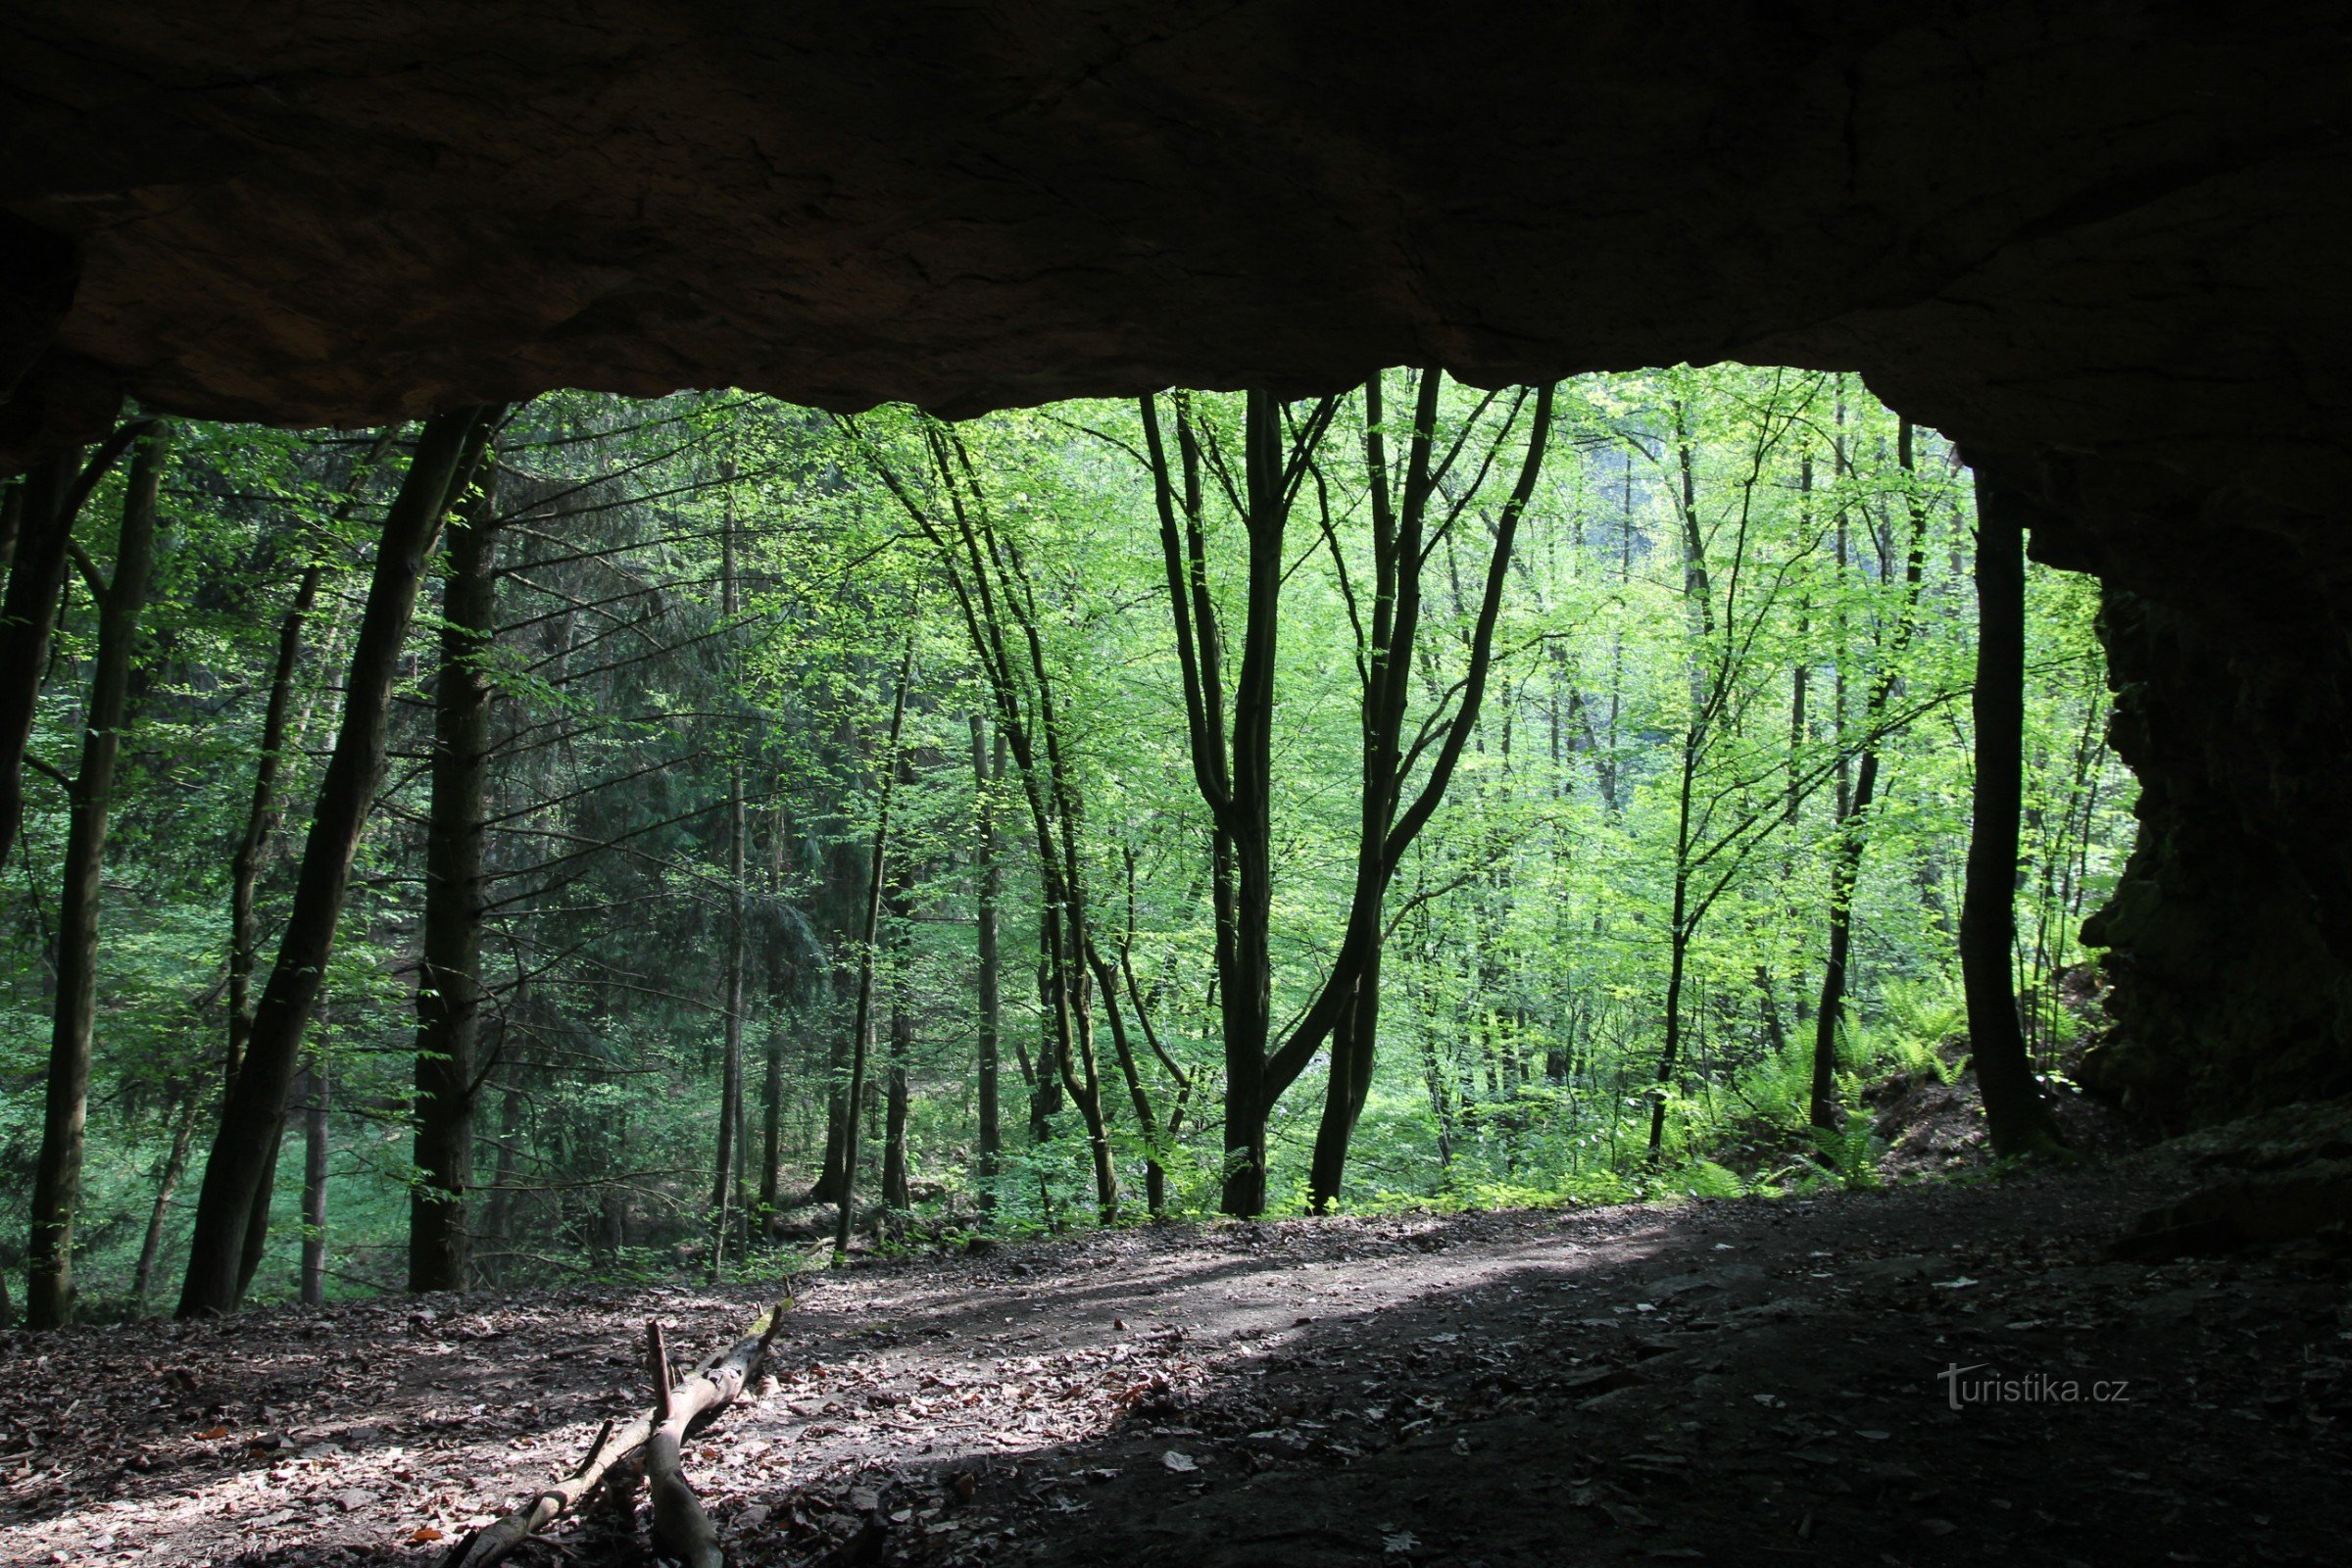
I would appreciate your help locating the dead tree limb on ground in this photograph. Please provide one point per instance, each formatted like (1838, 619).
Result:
(705, 1390)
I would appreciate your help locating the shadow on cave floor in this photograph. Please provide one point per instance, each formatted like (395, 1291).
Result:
(1730, 1382)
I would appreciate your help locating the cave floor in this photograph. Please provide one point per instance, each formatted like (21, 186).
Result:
(1732, 1382)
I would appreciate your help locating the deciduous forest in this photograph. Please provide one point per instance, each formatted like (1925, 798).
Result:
(600, 839)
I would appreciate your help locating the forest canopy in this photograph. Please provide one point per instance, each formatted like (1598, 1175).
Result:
(1425, 794)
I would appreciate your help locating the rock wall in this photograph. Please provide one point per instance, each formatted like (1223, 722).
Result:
(2100, 245)
(2230, 949)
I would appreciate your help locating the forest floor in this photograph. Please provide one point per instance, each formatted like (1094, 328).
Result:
(1734, 1382)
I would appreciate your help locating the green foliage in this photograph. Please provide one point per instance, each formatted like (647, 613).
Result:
(1706, 585)
(1847, 1157)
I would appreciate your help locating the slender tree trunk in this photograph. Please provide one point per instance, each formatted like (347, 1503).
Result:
(832, 1172)
(991, 981)
(1387, 825)
(255, 1113)
(57, 1176)
(449, 990)
(1248, 990)
(894, 1117)
(771, 1100)
(729, 1175)
(1234, 780)
(1854, 827)
(1044, 1089)
(899, 904)
(1147, 1121)
(1074, 1044)
(314, 1185)
(861, 1028)
(1677, 954)
(500, 1220)
(261, 816)
(176, 1165)
(2015, 1113)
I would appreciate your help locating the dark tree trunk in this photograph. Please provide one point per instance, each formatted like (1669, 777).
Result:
(1045, 1087)
(176, 1165)
(1232, 772)
(1247, 990)
(47, 501)
(1854, 826)
(261, 816)
(448, 989)
(499, 1221)
(728, 1177)
(894, 1115)
(833, 1172)
(901, 905)
(771, 1098)
(57, 1176)
(2015, 1113)
(314, 1185)
(1147, 1121)
(861, 1026)
(1349, 1005)
(254, 1115)
(991, 978)
(256, 1245)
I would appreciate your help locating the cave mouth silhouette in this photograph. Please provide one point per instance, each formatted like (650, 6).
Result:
(2096, 246)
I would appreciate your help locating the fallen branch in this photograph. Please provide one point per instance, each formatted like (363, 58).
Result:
(708, 1388)
(681, 1528)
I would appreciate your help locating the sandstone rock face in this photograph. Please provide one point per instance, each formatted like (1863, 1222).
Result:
(2100, 244)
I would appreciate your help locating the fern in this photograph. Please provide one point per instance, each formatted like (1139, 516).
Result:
(1850, 1156)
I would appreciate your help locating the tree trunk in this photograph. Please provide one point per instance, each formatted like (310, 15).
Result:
(499, 1221)
(245, 864)
(1045, 1088)
(2015, 1113)
(256, 1245)
(1670, 1054)
(255, 1113)
(448, 989)
(57, 1177)
(1854, 826)
(894, 1117)
(176, 1165)
(48, 500)
(314, 1185)
(729, 1173)
(900, 905)
(1233, 773)
(771, 1101)
(862, 1027)
(1387, 825)
(1147, 1121)
(991, 981)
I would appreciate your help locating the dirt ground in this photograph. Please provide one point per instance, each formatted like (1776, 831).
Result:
(1734, 1382)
